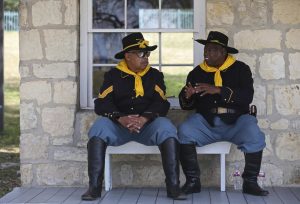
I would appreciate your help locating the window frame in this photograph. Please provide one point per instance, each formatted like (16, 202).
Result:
(86, 48)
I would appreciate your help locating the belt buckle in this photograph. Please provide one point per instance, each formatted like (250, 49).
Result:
(221, 110)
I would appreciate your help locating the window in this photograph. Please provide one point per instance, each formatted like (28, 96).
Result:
(170, 24)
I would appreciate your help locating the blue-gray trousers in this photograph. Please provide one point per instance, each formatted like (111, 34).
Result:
(244, 133)
(153, 133)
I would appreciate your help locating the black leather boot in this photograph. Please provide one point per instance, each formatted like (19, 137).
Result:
(251, 171)
(96, 158)
(169, 153)
(190, 167)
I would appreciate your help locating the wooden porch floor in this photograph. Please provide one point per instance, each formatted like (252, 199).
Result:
(282, 195)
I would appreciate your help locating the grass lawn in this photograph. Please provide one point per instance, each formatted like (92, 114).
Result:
(9, 137)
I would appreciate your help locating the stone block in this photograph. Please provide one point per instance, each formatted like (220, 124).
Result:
(70, 154)
(26, 174)
(36, 90)
(61, 44)
(152, 174)
(129, 158)
(47, 13)
(260, 99)
(84, 120)
(292, 39)
(250, 60)
(28, 116)
(67, 140)
(287, 99)
(24, 71)
(269, 104)
(23, 19)
(54, 70)
(59, 174)
(30, 45)
(126, 174)
(268, 151)
(72, 12)
(272, 66)
(294, 65)
(263, 123)
(281, 124)
(219, 13)
(274, 174)
(257, 39)
(235, 155)
(287, 146)
(295, 124)
(286, 11)
(65, 92)
(253, 12)
(58, 121)
(85, 179)
(138, 174)
(33, 147)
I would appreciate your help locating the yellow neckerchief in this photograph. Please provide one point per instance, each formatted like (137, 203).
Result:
(138, 84)
(218, 78)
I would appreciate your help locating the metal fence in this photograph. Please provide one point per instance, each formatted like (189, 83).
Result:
(11, 21)
(170, 18)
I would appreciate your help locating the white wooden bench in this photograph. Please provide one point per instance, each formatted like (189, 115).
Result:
(221, 148)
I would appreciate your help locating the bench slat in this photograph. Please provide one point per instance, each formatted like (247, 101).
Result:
(137, 148)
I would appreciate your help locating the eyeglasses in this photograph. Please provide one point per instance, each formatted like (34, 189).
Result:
(141, 54)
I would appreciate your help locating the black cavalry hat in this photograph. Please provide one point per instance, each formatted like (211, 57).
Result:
(218, 38)
(134, 41)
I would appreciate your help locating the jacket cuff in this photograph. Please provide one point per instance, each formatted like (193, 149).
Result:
(186, 103)
(114, 116)
(150, 115)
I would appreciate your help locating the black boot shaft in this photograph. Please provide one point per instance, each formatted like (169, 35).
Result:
(251, 171)
(170, 160)
(96, 160)
(190, 167)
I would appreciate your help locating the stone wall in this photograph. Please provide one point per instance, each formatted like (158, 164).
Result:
(54, 130)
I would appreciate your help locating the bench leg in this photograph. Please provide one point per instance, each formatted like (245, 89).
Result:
(107, 173)
(223, 169)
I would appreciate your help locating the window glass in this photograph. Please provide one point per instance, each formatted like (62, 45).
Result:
(105, 46)
(175, 78)
(108, 14)
(142, 13)
(98, 78)
(153, 40)
(177, 48)
(177, 14)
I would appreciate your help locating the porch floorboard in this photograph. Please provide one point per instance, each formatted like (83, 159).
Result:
(54, 195)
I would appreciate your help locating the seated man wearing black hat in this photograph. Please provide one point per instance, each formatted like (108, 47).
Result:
(221, 90)
(133, 104)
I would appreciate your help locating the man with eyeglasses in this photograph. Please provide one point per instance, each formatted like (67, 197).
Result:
(133, 107)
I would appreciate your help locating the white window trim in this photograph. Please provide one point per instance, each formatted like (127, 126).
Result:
(86, 99)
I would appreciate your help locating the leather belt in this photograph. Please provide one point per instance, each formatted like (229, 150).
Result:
(221, 110)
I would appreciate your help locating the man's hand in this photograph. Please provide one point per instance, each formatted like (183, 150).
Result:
(203, 89)
(133, 122)
(189, 90)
